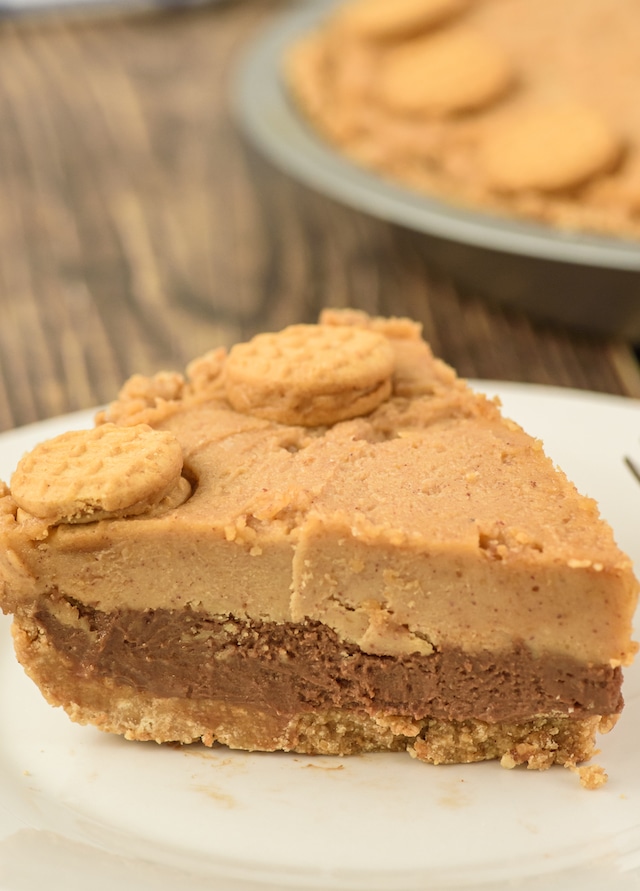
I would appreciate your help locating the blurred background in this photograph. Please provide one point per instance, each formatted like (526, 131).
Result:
(140, 227)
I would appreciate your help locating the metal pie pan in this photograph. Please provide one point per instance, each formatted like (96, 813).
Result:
(584, 281)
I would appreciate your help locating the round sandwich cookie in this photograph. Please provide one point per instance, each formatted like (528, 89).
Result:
(87, 475)
(548, 148)
(385, 20)
(444, 74)
(310, 375)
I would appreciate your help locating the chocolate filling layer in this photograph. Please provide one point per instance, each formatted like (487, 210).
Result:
(294, 668)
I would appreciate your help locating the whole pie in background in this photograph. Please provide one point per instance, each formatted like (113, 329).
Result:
(521, 107)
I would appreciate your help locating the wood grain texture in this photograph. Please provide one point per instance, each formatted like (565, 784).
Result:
(137, 228)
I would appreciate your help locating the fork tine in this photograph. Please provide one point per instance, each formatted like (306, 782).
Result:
(635, 470)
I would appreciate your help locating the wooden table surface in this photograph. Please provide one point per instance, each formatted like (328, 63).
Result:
(138, 229)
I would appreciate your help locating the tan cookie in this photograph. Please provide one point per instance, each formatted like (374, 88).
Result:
(393, 327)
(548, 148)
(446, 74)
(310, 375)
(391, 19)
(86, 475)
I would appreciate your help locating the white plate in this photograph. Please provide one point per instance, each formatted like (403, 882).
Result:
(79, 809)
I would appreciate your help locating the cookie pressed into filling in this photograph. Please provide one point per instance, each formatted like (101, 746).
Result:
(520, 107)
(320, 542)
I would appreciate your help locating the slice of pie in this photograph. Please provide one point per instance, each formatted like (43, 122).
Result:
(322, 542)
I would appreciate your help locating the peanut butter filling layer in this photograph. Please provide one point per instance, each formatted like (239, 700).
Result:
(428, 523)
(298, 668)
